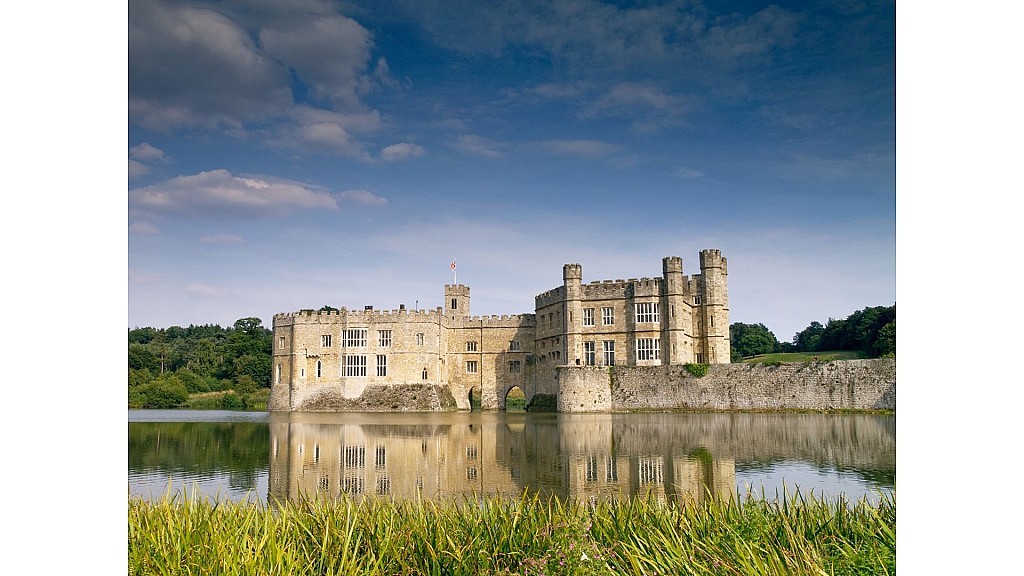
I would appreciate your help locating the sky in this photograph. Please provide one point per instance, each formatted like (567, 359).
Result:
(292, 155)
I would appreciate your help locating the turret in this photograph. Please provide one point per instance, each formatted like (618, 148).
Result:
(675, 313)
(456, 301)
(714, 287)
(572, 278)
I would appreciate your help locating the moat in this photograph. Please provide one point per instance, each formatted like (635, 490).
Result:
(260, 456)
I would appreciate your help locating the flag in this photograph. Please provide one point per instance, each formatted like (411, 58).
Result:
(453, 265)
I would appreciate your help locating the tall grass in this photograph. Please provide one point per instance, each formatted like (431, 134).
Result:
(526, 535)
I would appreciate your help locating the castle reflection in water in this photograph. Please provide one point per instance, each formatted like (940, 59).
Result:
(584, 457)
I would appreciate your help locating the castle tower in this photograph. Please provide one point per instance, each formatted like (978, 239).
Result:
(572, 280)
(456, 301)
(715, 310)
(675, 313)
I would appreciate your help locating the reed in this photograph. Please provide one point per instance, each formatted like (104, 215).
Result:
(528, 535)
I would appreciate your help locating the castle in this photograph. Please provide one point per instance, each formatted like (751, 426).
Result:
(337, 360)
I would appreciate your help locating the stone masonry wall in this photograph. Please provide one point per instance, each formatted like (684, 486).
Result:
(836, 385)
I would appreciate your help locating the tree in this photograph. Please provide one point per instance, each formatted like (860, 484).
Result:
(807, 340)
(750, 340)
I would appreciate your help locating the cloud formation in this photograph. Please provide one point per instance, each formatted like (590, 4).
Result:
(218, 193)
(401, 151)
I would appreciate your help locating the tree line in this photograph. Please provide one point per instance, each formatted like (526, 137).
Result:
(166, 365)
(871, 331)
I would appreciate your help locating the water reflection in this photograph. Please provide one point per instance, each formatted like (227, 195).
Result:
(584, 457)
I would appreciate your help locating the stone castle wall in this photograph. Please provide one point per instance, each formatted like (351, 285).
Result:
(835, 385)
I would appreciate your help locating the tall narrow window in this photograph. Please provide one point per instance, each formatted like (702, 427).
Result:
(325, 340)
(278, 374)
(470, 346)
(384, 338)
(319, 368)
(419, 338)
(382, 365)
(513, 346)
(648, 348)
(424, 373)
(355, 365)
(609, 352)
(588, 316)
(355, 338)
(607, 315)
(515, 367)
(589, 356)
(280, 342)
(455, 303)
(646, 312)
(471, 367)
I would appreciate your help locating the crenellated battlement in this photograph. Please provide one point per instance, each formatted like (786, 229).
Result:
(343, 314)
(550, 297)
(497, 321)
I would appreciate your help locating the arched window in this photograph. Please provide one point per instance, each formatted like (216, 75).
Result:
(319, 368)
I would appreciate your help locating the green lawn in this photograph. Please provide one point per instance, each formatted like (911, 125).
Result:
(808, 356)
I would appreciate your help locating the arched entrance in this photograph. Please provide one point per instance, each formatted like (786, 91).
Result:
(474, 399)
(515, 400)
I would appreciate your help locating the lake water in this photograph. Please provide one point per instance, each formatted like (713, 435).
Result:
(264, 457)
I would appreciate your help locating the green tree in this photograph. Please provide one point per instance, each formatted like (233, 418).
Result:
(140, 357)
(807, 340)
(885, 344)
(751, 339)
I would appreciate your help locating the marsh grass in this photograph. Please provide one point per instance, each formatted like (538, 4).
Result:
(527, 535)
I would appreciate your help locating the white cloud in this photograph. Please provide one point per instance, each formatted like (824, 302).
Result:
(362, 197)
(203, 290)
(401, 151)
(146, 152)
(137, 169)
(143, 228)
(478, 146)
(219, 193)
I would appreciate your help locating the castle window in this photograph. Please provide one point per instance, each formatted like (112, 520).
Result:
(419, 338)
(700, 358)
(383, 485)
(609, 352)
(355, 338)
(611, 473)
(352, 485)
(455, 303)
(712, 318)
(424, 374)
(302, 373)
(588, 316)
(355, 456)
(514, 367)
(697, 299)
(646, 312)
(355, 365)
(589, 356)
(280, 342)
(384, 338)
(319, 368)
(382, 365)
(471, 473)
(648, 348)
(325, 341)
(608, 316)
(470, 346)
(471, 367)
(380, 458)
(513, 346)
(591, 468)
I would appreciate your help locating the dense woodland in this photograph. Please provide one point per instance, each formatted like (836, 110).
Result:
(871, 331)
(229, 368)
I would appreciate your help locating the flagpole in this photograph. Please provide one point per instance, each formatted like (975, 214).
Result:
(455, 276)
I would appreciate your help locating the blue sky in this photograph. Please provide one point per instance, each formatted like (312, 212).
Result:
(293, 155)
